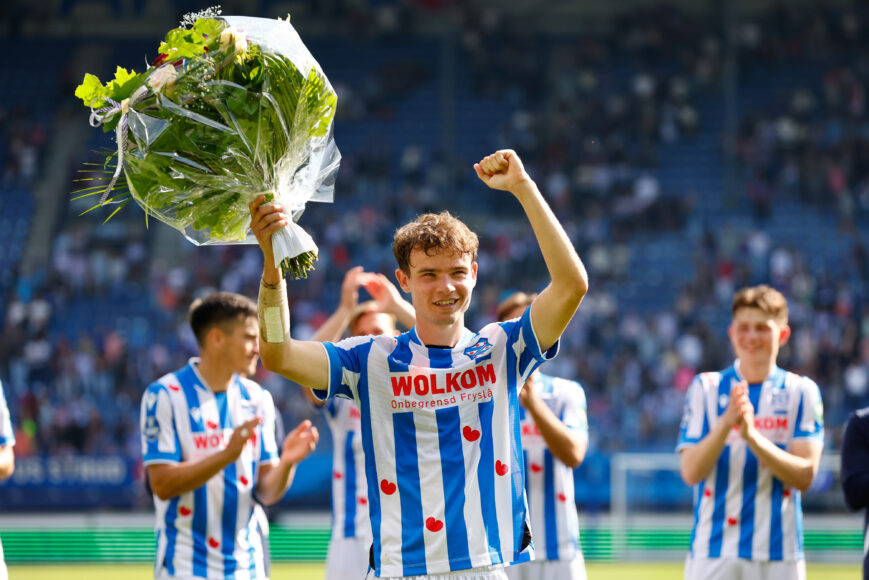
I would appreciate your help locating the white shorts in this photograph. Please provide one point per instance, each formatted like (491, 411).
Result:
(740, 569)
(347, 559)
(486, 573)
(549, 570)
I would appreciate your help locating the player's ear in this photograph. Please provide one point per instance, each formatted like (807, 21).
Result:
(403, 279)
(784, 334)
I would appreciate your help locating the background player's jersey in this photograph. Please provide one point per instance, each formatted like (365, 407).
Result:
(549, 482)
(441, 434)
(209, 532)
(7, 433)
(349, 487)
(741, 510)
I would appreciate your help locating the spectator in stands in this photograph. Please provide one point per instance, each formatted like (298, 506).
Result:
(750, 443)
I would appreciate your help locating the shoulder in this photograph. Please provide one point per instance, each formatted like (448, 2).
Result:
(254, 391)
(167, 382)
(386, 343)
(708, 381)
(565, 388)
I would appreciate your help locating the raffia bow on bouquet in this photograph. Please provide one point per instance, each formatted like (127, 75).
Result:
(233, 107)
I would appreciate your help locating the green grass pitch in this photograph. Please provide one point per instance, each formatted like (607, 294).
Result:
(315, 571)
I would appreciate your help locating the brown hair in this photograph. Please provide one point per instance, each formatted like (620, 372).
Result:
(519, 299)
(369, 306)
(432, 233)
(219, 309)
(765, 298)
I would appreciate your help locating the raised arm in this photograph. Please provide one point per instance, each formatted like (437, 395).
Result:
(553, 309)
(388, 298)
(304, 362)
(333, 329)
(275, 480)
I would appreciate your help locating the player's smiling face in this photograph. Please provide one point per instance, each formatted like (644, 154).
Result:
(756, 336)
(440, 286)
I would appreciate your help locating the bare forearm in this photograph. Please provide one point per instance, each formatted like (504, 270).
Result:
(790, 469)
(334, 327)
(697, 461)
(566, 270)
(563, 443)
(405, 313)
(172, 480)
(7, 462)
(275, 482)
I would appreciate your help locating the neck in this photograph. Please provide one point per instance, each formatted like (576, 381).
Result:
(216, 377)
(440, 335)
(756, 373)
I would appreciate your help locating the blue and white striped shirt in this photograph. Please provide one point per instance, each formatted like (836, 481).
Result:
(349, 486)
(741, 510)
(554, 524)
(441, 436)
(209, 532)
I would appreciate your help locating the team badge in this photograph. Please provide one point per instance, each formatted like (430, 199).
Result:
(480, 348)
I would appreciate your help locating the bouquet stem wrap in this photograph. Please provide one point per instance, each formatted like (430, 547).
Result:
(234, 107)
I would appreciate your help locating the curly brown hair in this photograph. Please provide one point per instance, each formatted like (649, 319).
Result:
(765, 298)
(223, 309)
(434, 233)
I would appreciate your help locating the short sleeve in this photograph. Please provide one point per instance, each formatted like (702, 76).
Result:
(268, 448)
(575, 412)
(7, 433)
(160, 442)
(810, 416)
(523, 339)
(695, 423)
(347, 359)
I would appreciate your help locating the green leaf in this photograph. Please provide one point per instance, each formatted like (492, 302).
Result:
(91, 91)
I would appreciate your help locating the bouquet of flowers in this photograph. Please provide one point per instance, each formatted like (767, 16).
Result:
(232, 108)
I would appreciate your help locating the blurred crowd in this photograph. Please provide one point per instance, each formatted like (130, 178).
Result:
(592, 120)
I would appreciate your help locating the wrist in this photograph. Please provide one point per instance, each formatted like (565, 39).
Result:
(525, 187)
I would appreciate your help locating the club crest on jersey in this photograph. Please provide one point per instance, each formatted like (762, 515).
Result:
(152, 429)
(478, 349)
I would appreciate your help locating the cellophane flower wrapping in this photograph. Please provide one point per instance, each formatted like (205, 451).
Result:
(240, 110)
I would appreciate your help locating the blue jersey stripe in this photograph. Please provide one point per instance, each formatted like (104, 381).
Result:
(229, 519)
(440, 358)
(200, 530)
(749, 494)
(486, 479)
(370, 465)
(549, 507)
(171, 535)
(187, 379)
(401, 356)
(453, 472)
(349, 487)
(798, 511)
(410, 495)
(223, 410)
(516, 471)
(775, 528)
(716, 535)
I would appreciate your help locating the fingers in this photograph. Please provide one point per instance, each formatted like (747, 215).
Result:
(268, 217)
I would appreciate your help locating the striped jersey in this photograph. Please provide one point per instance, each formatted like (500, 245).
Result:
(741, 510)
(349, 487)
(209, 532)
(549, 482)
(441, 437)
(7, 433)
